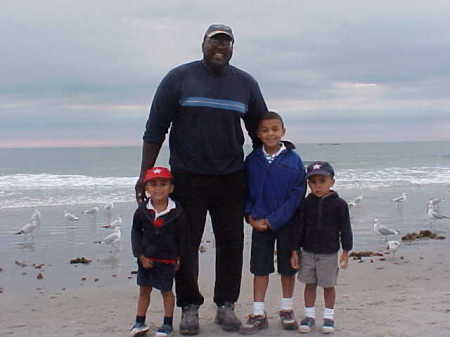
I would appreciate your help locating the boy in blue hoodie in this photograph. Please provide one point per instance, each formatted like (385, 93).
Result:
(276, 186)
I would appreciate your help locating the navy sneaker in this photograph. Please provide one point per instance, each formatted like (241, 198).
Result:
(328, 325)
(306, 324)
(138, 329)
(164, 331)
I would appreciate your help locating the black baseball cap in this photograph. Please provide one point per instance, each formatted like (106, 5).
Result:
(219, 29)
(321, 168)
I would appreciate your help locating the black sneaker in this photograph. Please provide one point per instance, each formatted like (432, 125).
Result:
(226, 317)
(306, 324)
(138, 329)
(189, 320)
(328, 326)
(164, 331)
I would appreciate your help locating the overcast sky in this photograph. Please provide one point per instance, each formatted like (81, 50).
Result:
(85, 72)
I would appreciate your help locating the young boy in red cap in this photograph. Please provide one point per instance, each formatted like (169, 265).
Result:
(157, 236)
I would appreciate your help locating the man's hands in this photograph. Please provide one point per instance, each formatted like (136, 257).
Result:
(343, 260)
(260, 225)
(295, 260)
(146, 262)
(139, 188)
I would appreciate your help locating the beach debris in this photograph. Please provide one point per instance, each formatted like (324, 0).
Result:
(82, 260)
(114, 275)
(40, 276)
(96, 279)
(202, 249)
(24, 273)
(383, 230)
(1, 290)
(70, 217)
(402, 198)
(130, 277)
(20, 264)
(1, 269)
(364, 253)
(38, 266)
(91, 211)
(84, 278)
(423, 234)
(133, 272)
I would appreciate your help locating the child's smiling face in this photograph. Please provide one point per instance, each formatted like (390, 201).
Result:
(159, 189)
(320, 185)
(270, 132)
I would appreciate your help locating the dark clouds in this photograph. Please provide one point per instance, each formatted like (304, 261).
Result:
(95, 65)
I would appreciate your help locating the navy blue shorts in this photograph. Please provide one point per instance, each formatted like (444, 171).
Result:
(262, 254)
(160, 276)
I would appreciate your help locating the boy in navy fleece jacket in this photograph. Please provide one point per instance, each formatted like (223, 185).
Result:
(276, 186)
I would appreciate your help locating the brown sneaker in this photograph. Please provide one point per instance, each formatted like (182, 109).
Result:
(226, 317)
(254, 324)
(287, 319)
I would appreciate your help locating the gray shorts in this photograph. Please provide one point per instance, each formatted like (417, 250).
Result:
(320, 269)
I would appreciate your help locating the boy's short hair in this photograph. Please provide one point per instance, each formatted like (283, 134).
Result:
(321, 168)
(271, 115)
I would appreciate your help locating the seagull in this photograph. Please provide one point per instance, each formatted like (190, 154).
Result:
(92, 211)
(108, 207)
(356, 202)
(433, 214)
(115, 223)
(383, 230)
(71, 217)
(393, 245)
(30, 227)
(400, 199)
(112, 239)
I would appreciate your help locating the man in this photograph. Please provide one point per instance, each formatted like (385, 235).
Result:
(203, 103)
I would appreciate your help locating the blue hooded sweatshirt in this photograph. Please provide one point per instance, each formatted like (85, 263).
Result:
(274, 190)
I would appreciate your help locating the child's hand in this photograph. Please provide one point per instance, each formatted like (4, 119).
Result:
(260, 225)
(343, 261)
(177, 265)
(146, 262)
(295, 260)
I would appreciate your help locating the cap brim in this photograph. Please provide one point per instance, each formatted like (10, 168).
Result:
(215, 32)
(318, 173)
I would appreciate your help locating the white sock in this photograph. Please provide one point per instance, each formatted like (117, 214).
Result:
(258, 308)
(328, 313)
(287, 304)
(310, 312)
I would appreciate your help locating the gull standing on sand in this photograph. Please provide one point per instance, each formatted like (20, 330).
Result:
(400, 199)
(383, 230)
(392, 246)
(71, 217)
(356, 202)
(433, 214)
(92, 211)
(117, 221)
(30, 227)
(112, 239)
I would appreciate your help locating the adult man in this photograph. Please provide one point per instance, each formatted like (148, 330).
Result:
(203, 102)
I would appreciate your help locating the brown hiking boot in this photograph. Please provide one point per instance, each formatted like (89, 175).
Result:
(189, 320)
(254, 324)
(226, 317)
(287, 319)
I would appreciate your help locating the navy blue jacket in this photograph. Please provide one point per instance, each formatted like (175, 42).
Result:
(204, 111)
(322, 224)
(275, 190)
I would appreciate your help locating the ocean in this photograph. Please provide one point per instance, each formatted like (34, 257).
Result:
(53, 180)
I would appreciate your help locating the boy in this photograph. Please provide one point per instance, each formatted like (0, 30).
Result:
(276, 185)
(322, 224)
(157, 236)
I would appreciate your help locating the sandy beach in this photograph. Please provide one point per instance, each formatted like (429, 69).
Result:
(402, 295)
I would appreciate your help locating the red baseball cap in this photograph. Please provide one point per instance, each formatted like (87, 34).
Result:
(157, 173)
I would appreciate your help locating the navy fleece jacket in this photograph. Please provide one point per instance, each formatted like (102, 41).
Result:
(274, 190)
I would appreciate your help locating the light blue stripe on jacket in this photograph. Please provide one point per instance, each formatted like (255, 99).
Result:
(214, 103)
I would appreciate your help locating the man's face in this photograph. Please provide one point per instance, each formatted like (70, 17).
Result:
(320, 185)
(217, 50)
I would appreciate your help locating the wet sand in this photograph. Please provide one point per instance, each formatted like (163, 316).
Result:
(404, 295)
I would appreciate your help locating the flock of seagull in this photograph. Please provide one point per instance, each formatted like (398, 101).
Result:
(112, 239)
(433, 214)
